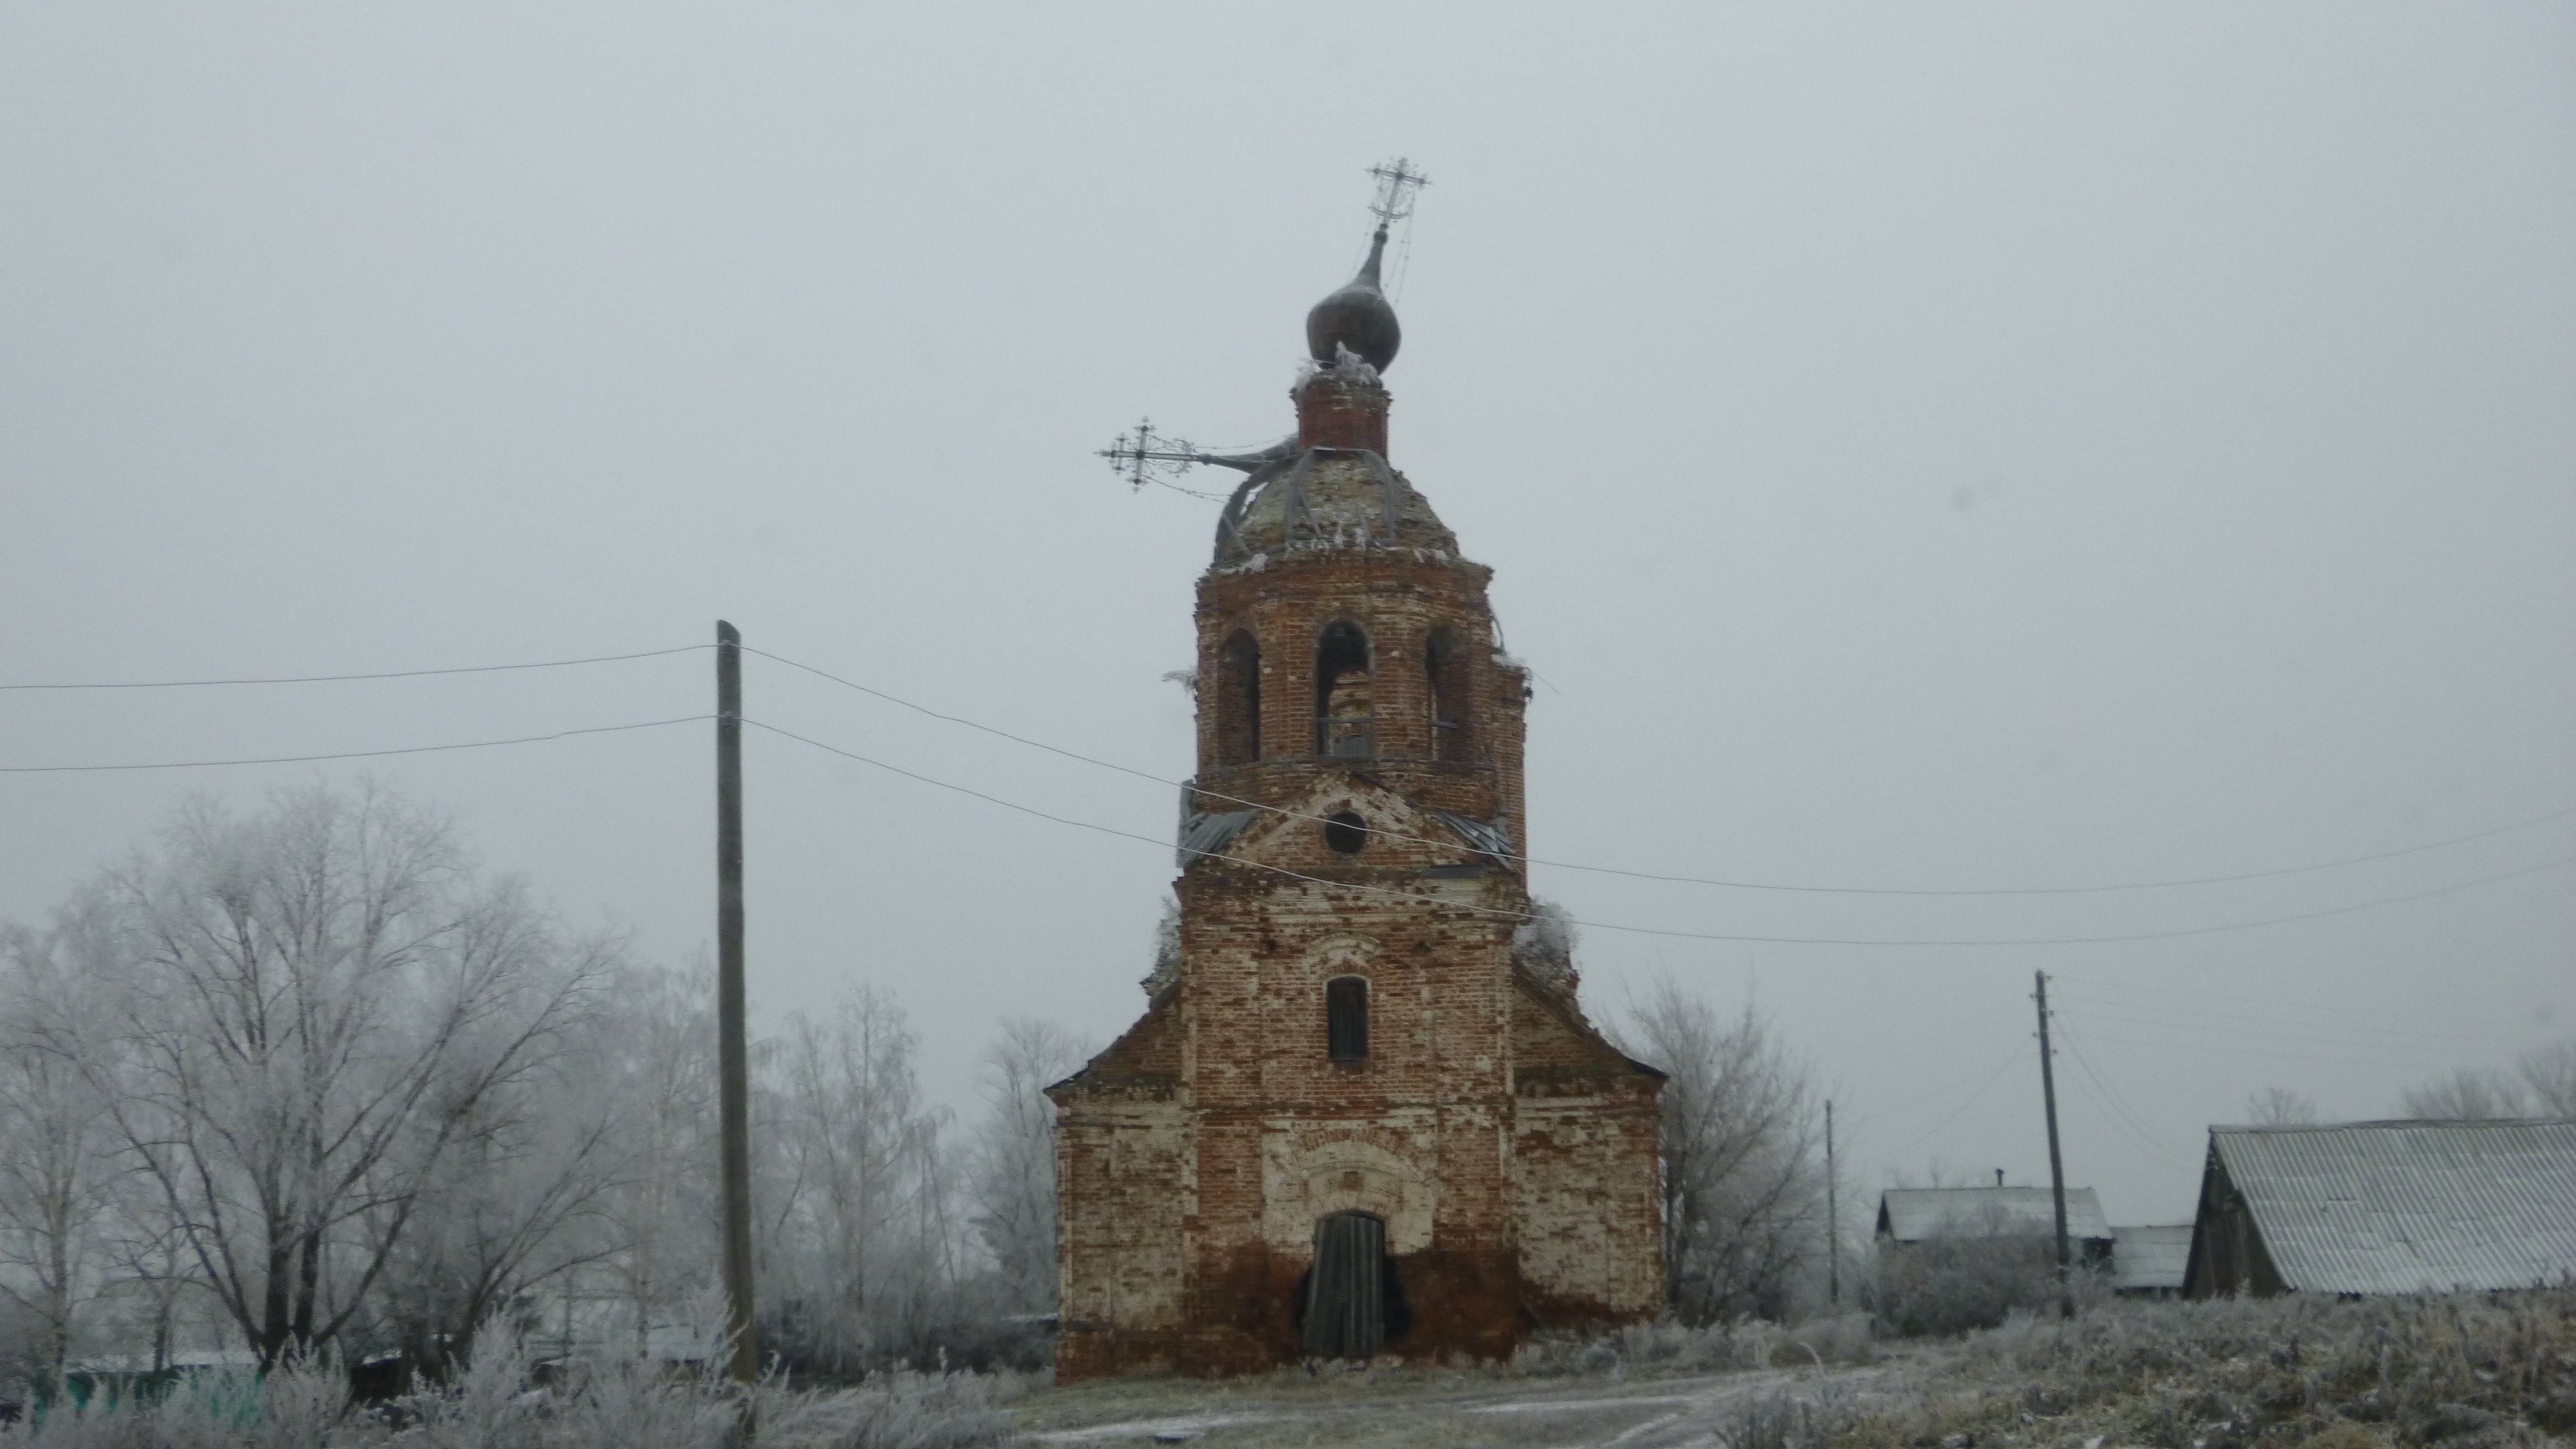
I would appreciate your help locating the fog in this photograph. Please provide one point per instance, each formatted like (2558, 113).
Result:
(1986, 448)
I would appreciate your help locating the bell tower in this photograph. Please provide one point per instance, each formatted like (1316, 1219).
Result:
(1363, 1113)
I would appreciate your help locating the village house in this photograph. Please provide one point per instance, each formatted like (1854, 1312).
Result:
(2025, 1218)
(1363, 1113)
(2385, 1207)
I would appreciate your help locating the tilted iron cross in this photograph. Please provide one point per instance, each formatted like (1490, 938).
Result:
(1398, 184)
(1144, 456)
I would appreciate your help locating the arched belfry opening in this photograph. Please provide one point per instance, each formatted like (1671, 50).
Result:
(1345, 706)
(1238, 700)
(1452, 730)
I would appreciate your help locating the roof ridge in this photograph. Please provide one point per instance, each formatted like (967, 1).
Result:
(2395, 1122)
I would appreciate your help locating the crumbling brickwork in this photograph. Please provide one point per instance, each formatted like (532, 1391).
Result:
(1356, 817)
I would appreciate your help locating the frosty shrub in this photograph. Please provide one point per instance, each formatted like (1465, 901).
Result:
(1669, 1346)
(1783, 1420)
(1665, 1346)
(624, 1404)
(1974, 1275)
(2485, 1370)
(1845, 1338)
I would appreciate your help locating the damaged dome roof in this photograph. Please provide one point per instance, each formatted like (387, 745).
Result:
(1357, 317)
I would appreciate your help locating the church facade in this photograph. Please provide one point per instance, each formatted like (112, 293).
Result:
(1363, 1113)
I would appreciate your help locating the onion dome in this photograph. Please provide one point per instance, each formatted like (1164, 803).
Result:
(1357, 317)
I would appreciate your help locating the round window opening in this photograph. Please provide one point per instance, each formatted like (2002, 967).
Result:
(1345, 832)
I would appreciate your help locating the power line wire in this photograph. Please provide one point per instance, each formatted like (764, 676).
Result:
(2128, 1120)
(1160, 844)
(380, 674)
(1222, 798)
(1934, 1094)
(1174, 784)
(2340, 1033)
(2156, 995)
(2383, 1059)
(2015, 1060)
(2283, 1035)
(2094, 1092)
(351, 754)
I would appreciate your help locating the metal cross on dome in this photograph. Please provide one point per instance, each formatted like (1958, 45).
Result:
(1398, 184)
(1143, 456)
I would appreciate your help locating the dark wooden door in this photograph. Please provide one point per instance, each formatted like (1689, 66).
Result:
(1346, 1291)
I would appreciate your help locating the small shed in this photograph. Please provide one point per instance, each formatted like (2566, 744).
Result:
(2385, 1207)
(2149, 1261)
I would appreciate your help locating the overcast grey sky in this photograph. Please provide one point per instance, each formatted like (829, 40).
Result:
(1974, 446)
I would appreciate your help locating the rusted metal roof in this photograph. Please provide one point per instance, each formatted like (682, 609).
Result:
(2150, 1257)
(1492, 838)
(1911, 1214)
(2405, 1207)
(1209, 832)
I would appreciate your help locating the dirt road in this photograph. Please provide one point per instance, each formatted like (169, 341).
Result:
(1429, 1411)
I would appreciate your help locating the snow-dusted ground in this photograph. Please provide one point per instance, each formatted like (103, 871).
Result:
(1423, 1411)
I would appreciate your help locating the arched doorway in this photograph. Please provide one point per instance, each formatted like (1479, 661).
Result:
(1346, 1291)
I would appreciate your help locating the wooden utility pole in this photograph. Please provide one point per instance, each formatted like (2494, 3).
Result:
(733, 1073)
(2056, 1163)
(1833, 1219)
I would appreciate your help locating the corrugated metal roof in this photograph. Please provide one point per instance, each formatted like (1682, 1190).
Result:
(1911, 1214)
(2404, 1207)
(2150, 1257)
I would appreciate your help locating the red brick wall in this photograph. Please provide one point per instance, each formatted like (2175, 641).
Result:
(1510, 1150)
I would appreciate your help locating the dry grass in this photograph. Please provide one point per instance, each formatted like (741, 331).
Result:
(2471, 1371)
(1673, 1348)
(1643, 1386)
(1640, 1353)
(490, 1406)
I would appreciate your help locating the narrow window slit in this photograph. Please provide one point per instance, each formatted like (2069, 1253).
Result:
(1346, 1018)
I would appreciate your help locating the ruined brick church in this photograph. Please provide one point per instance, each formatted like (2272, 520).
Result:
(1362, 1113)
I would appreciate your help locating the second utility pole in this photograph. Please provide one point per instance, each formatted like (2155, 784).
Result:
(733, 1074)
(1833, 1220)
(2056, 1164)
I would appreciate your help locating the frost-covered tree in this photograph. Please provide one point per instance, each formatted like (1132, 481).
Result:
(2280, 1107)
(315, 1007)
(2541, 1083)
(2467, 1094)
(520, 1202)
(1014, 1160)
(859, 1239)
(657, 1062)
(60, 1160)
(2549, 1075)
(1743, 1180)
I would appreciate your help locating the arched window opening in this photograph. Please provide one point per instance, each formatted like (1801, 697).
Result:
(1346, 1018)
(1238, 700)
(1445, 662)
(1345, 832)
(1345, 709)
